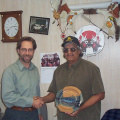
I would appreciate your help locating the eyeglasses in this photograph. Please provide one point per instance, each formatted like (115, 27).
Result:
(65, 50)
(25, 50)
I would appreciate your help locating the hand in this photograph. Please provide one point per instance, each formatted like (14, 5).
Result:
(35, 97)
(37, 102)
(40, 117)
(73, 114)
(40, 98)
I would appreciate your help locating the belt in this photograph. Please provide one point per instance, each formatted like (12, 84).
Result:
(23, 108)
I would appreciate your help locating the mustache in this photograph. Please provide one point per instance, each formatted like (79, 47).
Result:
(26, 55)
(70, 55)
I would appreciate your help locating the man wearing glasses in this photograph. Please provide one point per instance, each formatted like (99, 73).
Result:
(20, 85)
(81, 74)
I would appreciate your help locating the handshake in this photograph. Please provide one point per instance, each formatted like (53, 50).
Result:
(38, 102)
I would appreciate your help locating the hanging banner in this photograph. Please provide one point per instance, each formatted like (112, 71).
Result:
(91, 40)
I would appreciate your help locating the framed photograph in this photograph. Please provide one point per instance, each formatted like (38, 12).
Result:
(39, 25)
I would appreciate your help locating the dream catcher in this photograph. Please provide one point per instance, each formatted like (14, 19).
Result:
(59, 15)
(63, 15)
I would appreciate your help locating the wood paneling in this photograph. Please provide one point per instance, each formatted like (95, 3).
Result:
(108, 59)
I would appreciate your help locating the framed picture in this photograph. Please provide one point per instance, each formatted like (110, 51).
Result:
(39, 25)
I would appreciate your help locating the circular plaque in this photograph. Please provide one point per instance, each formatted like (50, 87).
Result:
(68, 99)
(91, 40)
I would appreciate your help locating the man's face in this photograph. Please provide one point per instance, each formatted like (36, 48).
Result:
(26, 52)
(71, 52)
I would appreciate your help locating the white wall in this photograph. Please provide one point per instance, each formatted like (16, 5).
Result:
(108, 59)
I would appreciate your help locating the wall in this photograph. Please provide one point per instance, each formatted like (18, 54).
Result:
(108, 59)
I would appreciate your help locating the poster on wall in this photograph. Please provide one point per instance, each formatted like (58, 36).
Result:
(91, 40)
(49, 62)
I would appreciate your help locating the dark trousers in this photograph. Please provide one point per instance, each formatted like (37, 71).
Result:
(11, 114)
(44, 112)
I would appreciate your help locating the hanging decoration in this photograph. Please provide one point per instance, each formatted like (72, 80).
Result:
(60, 12)
(111, 16)
(64, 13)
(91, 40)
(87, 19)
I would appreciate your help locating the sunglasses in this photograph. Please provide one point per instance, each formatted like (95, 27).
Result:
(65, 50)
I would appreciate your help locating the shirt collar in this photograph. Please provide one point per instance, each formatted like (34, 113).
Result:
(75, 64)
(21, 66)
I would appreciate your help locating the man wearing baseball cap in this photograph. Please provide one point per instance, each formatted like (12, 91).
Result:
(81, 74)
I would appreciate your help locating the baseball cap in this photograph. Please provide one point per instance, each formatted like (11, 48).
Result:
(70, 39)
